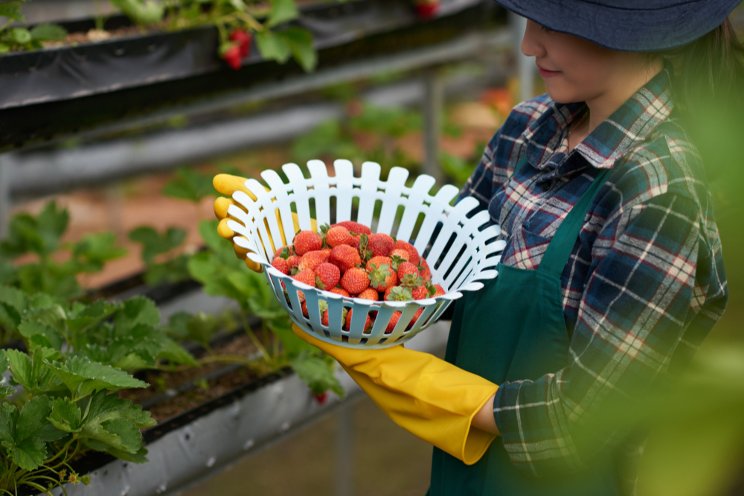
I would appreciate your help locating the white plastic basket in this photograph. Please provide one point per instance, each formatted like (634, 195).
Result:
(461, 250)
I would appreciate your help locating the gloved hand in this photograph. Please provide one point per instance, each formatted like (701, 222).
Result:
(226, 185)
(429, 397)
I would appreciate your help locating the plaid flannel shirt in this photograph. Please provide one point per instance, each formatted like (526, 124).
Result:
(644, 283)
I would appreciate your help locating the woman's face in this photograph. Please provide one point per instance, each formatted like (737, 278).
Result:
(577, 70)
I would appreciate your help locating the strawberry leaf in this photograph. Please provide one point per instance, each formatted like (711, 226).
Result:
(282, 11)
(188, 184)
(65, 415)
(84, 377)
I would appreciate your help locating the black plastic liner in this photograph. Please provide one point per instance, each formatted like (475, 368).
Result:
(65, 90)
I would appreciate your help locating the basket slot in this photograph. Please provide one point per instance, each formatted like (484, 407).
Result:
(344, 171)
(418, 202)
(394, 192)
(459, 274)
(301, 196)
(438, 208)
(335, 317)
(280, 202)
(370, 177)
(259, 233)
(449, 225)
(321, 191)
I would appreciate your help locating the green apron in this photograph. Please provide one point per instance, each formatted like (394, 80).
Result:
(514, 329)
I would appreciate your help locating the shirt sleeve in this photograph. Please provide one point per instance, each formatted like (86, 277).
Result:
(655, 278)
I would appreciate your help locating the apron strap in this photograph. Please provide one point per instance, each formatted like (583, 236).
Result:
(560, 247)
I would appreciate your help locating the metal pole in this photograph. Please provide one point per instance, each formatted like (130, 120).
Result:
(433, 104)
(525, 65)
(345, 450)
(5, 202)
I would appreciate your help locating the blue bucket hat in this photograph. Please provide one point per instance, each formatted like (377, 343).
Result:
(631, 25)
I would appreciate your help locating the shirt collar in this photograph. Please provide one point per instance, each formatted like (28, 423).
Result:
(630, 124)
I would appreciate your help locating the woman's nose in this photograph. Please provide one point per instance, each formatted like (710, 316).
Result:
(531, 43)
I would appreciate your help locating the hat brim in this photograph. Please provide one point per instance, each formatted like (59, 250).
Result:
(628, 29)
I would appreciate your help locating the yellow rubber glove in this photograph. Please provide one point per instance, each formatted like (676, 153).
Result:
(226, 185)
(429, 397)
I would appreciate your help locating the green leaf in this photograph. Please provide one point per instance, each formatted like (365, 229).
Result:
(83, 377)
(48, 32)
(31, 372)
(155, 243)
(137, 310)
(11, 9)
(300, 42)
(141, 11)
(93, 251)
(188, 184)
(112, 425)
(38, 334)
(39, 234)
(8, 414)
(66, 415)
(29, 447)
(317, 372)
(282, 11)
(272, 47)
(170, 271)
(83, 318)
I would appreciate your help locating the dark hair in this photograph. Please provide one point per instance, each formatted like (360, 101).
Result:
(708, 92)
(708, 69)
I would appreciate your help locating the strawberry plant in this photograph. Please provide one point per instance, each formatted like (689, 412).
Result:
(222, 274)
(36, 240)
(14, 37)
(57, 407)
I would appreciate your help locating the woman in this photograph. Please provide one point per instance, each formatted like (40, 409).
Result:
(612, 274)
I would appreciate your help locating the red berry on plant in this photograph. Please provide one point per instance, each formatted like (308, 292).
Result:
(231, 55)
(243, 40)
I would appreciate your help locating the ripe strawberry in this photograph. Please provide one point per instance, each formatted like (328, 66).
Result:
(398, 256)
(354, 227)
(231, 55)
(415, 318)
(338, 235)
(345, 257)
(369, 294)
(394, 318)
(243, 40)
(340, 291)
(327, 275)
(321, 398)
(355, 280)
(347, 322)
(306, 275)
(380, 244)
(281, 265)
(438, 290)
(427, 10)
(413, 254)
(311, 259)
(408, 274)
(284, 252)
(420, 292)
(293, 261)
(424, 270)
(377, 261)
(381, 276)
(398, 293)
(305, 241)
